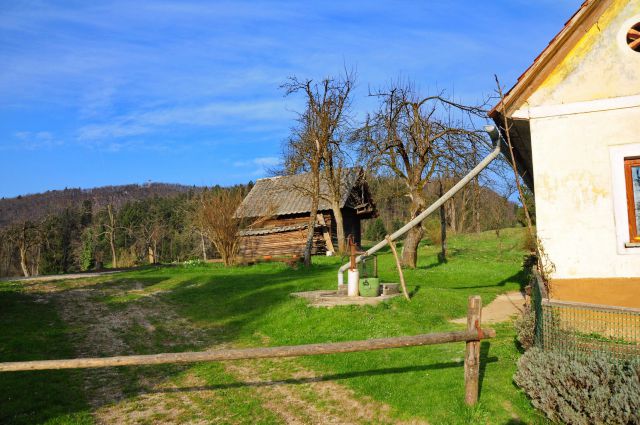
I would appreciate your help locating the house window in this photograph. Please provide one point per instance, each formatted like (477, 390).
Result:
(632, 178)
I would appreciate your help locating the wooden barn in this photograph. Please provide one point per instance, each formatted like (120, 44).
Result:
(277, 210)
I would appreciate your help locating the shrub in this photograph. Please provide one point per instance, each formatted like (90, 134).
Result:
(433, 232)
(526, 328)
(396, 224)
(194, 263)
(589, 391)
(529, 243)
(376, 230)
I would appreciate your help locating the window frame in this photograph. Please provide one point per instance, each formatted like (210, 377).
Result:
(630, 162)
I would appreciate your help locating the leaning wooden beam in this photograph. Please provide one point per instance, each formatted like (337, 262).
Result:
(399, 266)
(251, 353)
(325, 233)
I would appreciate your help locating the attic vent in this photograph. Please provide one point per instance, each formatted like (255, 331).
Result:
(633, 37)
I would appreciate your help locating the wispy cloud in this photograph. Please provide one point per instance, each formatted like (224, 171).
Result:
(265, 161)
(208, 115)
(260, 166)
(29, 140)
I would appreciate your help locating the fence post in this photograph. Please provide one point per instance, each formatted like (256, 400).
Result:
(472, 352)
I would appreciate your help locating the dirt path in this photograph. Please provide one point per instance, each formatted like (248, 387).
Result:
(146, 325)
(177, 394)
(299, 396)
(48, 278)
(503, 308)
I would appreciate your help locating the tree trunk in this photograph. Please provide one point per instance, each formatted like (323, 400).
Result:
(36, 265)
(312, 217)
(114, 259)
(415, 234)
(443, 230)
(204, 247)
(451, 214)
(337, 215)
(23, 260)
(476, 205)
(112, 222)
(410, 247)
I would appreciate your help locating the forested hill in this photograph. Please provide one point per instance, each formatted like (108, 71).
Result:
(35, 207)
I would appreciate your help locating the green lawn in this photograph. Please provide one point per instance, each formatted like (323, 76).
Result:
(251, 306)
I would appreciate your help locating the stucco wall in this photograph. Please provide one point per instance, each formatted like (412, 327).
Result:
(576, 194)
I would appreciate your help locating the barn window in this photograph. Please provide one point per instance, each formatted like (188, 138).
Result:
(632, 178)
(633, 37)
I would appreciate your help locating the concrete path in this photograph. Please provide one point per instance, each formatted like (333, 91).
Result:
(327, 298)
(501, 309)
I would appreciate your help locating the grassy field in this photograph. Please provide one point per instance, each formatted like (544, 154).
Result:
(185, 308)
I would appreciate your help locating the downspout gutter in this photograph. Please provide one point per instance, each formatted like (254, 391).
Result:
(496, 138)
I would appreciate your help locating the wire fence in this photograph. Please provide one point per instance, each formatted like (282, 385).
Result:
(582, 330)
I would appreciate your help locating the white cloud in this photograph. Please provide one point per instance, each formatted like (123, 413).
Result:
(256, 167)
(31, 140)
(264, 114)
(263, 162)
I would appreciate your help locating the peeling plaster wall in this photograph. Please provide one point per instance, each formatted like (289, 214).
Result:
(575, 192)
(600, 66)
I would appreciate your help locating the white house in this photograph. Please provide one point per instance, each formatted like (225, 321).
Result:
(574, 120)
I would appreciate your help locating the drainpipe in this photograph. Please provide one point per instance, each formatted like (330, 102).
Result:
(496, 138)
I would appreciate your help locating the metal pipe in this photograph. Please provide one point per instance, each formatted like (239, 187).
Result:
(496, 138)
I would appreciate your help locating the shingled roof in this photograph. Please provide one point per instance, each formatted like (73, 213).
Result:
(284, 195)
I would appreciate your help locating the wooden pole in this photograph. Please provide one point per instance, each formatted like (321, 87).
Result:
(250, 353)
(395, 254)
(472, 352)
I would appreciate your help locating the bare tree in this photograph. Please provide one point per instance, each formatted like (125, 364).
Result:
(217, 216)
(315, 145)
(153, 229)
(414, 137)
(110, 232)
(24, 236)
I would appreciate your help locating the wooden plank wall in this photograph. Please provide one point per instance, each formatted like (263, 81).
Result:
(283, 243)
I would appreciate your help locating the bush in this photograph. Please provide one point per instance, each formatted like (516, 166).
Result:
(526, 328)
(376, 231)
(433, 232)
(529, 243)
(589, 391)
(194, 263)
(396, 224)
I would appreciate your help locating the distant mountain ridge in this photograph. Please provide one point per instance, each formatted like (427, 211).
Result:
(34, 207)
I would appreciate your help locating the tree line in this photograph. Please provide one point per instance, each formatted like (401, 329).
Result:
(199, 224)
(34, 207)
(91, 236)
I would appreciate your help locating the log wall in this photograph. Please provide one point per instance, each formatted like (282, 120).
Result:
(288, 243)
(292, 242)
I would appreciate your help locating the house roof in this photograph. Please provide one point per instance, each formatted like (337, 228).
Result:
(543, 65)
(284, 195)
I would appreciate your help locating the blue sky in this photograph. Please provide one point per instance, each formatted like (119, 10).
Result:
(98, 93)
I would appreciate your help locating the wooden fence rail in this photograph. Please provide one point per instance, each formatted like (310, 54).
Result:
(471, 336)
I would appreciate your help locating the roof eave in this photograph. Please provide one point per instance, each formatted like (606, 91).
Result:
(584, 18)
